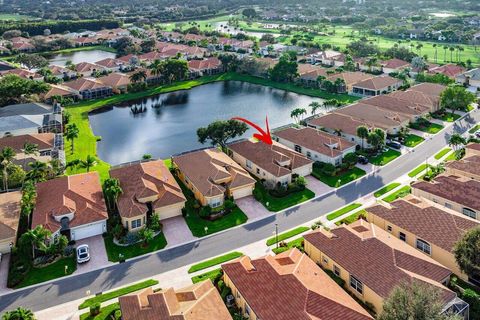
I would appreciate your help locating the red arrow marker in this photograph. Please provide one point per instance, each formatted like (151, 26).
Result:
(265, 137)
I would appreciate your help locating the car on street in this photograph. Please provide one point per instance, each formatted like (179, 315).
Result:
(83, 253)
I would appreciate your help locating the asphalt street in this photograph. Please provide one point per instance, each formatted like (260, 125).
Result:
(75, 287)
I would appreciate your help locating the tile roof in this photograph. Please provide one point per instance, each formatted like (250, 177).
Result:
(208, 63)
(115, 80)
(84, 84)
(145, 180)
(473, 146)
(347, 124)
(270, 157)
(291, 286)
(377, 259)
(204, 167)
(350, 78)
(315, 140)
(44, 141)
(199, 301)
(88, 67)
(377, 83)
(460, 190)
(416, 97)
(395, 64)
(10, 209)
(81, 194)
(59, 90)
(418, 218)
(380, 117)
(109, 63)
(391, 103)
(22, 73)
(432, 89)
(469, 165)
(450, 70)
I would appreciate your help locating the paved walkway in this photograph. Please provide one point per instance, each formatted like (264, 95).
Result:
(176, 231)
(252, 208)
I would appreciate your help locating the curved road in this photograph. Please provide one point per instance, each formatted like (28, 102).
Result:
(71, 288)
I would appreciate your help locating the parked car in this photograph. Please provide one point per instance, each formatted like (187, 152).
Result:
(362, 160)
(394, 145)
(477, 134)
(83, 253)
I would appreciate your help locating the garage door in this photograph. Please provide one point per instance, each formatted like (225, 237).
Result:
(5, 246)
(240, 193)
(166, 213)
(303, 171)
(87, 231)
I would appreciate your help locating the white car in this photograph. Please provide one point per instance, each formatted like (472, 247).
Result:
(83, 253)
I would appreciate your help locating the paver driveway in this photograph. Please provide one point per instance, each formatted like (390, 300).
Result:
(176, 231)
(317, 186)
(98, 254)
(252, 208)
(4, 273)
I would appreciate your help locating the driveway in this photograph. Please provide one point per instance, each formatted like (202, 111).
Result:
(317, 186)
(4, 273)
(176, 231)
(98, 254)
(252, 208)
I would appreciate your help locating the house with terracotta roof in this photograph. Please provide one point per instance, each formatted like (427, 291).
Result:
(58, 90)
(315, 144)
(205, 67)
(10, 209)
(72, 206)
(430, 89)
(376, 86)
(394, 65)
(450, 70)
(411, 109)
(148, 188)
(62, 73)
(87, 69)
(200, 301)
(417, 97)
(327, 58)
(117, 81)
(274, 164)
(458, 193)
(468, 167)
(350, 78)
(89, 88)
(212, 176)
(288, 286)
(22, 73)
(308, 74)
(372, 263)
(431, 229)
(111, 64)
(472, 149)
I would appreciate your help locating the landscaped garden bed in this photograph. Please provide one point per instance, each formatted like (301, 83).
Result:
(445, 116)
(353, 217)
(284, 246)
(426, 126)
(117, 253)
(274, 202)
(402, 192)
(336, 178)
(381, 158)
(109, 312)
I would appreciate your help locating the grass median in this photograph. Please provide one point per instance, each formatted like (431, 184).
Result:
(386, 189)
(215, 261)
(286, 235)
(343, 211)
(442, 153)
(402, 192)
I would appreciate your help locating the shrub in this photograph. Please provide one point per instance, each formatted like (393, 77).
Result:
(205, 211)
(131, 238)
(257, 194)
(95, 309)
(68, 251)
(155, 222)
(301, 181)
(118, 231)
(229, 204)
(117, 315)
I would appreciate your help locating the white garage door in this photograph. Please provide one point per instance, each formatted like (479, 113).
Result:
(240, 193)
(5, 247)
(87, 231)
(303, 171)
(166, 213)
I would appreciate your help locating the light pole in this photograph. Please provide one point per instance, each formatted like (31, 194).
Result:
(276, 234)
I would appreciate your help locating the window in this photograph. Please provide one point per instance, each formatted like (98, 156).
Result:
(469, 213)
(325, 260)
(298, 148)
(336, 270)
(258, 171)
(389, 228)
(215, 202)
(402, 236)
(249, 164)
(423, 246)
(247, 310)
(356, 284)
(448, 205)
(309, 154)
(136, 223)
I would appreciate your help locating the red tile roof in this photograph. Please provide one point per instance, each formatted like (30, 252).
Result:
(392, 103)
(10, 209)
(44, 141)
(395, 64)
(450, 70)
(209, 63)
(469, 165)
(83, 84)
(378, 83)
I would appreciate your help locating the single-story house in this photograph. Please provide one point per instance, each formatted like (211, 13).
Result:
(10, 209)
(60, 91)
(376, 86)
(430, 229)
(62, 73)
(327, 57)
(288, 286)
(22, 73)
(211, 175)
(315, 144)
(390, 103)
(87, 69)
(450, 70)
(72, 206)
(394, 65)
(350, 78)
(275, 164)
(433, 90)
(417, 97)
(148, 188)
(111, 64)
(472, 149)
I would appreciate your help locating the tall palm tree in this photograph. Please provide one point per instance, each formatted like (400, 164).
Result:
(436, 51)
(19, 314)
(460, 49)
(37, 239)
(445, 48)
(71, 133)
(38, 171)
(362, 133)
(156, 68)
(56, 167)
(452, 49)
(297, 114)
(315, 105)
(89, 162)
(6, 157)
(29, 149)
(456, 140)
(29, 198)
(112, 189)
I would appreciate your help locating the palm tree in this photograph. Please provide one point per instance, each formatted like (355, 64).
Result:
(315, 106)
(37, 238)
(362, 132)
(371, 62)
(71, 133)
(456, 140)
(89, 162)
(435, 54)
(38, 171)
(297, 114)
(6, 156)
(138, 76)
(460, 49)
(451, 53)
(29, 149)
(56, 167)
(29, 198)
(19, 314)
(445, 48)
(112, 189)
(156, 68)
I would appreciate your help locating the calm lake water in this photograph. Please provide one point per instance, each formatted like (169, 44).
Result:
(170, 121)
(80, 56)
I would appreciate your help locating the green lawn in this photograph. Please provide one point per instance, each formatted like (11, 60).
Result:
(342, 211)
(412, 140)
(340, 179)
(13, 17)
(447, 117)
(286, 235)
(50, 272)
(276, 204)
(117, 293)
(402, 192)
(212, 275)
(474, 129)
(417, 170)
(106, 313)
(432, 128)
(213, 262)
(113, 251)
(297, 243)
(352, 218)
(385, 157)
(386, 189)
(442, 153)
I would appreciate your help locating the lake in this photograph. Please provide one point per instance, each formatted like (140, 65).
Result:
(60, 59)
(170, 121)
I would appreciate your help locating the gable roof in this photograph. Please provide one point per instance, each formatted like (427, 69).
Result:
(44, 141)
(388, 102)
(450, 70)
(394, 64)
(291, 286)
(145, 180)
(347, 124)
(377, 83)
(10, 209)
(469, 165)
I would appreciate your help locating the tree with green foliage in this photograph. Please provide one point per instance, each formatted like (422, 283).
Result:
(175, 70)
(350, 160)
(362, 133)
(456, 98)
(31, 61)
(112, 189)
(315, 105)
(29, 149)
(90, 161)
(467, 253)
(7, 154)
(456, 140)
(249, 12)
(286, 70)
(38, 171)
(19, 314)
(138, 76)
(14, 89)
(376, 139)
(219, 132)
(297, 114)
(36, 238)
(71, 133)
(29, 199)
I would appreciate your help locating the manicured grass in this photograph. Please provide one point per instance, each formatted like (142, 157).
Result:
(168, 163)
(412, 140)
(352, 218)
(452, 156)
(13, 17)
(117, 293)
(343, 210)
(106, 313)
(286, 235)
(417, 170)
(442, 153)
(402, 192)
(447, 117)
(212, 275)
(432, 128)
(50, 272)
(474, 129)
(213, 262)
(297, 243)
(340, 179)
(113, 251)
(276, 204)
(385, 157)
(386, 189)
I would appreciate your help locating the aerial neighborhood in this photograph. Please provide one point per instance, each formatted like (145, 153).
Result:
(249, 161)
